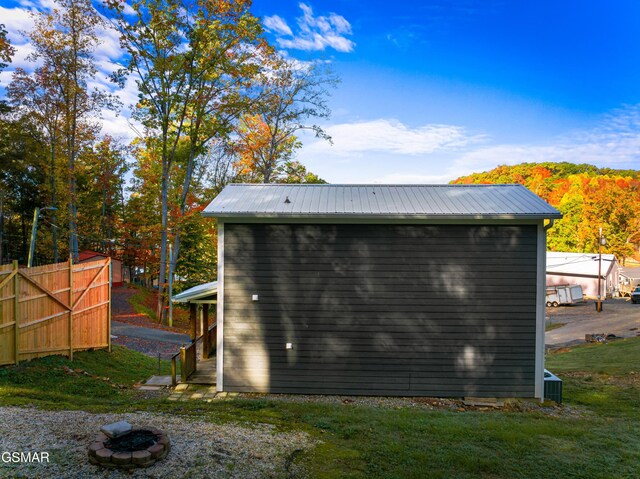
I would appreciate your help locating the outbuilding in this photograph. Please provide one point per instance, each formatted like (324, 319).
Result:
(381, 289)
(118, 274)
(584, 269)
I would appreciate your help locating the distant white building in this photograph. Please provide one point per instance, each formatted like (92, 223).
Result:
(582, 269)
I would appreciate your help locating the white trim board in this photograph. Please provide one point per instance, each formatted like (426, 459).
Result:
(220, 312)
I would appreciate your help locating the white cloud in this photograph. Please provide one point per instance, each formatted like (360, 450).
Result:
(119, 126)
(387, 151)
(614, 142)
(15, 20)
(316, 33)
(393, 137)
(277, 25)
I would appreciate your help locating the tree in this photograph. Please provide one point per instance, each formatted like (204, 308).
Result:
(588, 197)
(192, 62)
(100, 181)
(37, 96)
(64, 41)
(259, 149)
(21, 175)
(296, 172)
(6, 49)
(292, 95)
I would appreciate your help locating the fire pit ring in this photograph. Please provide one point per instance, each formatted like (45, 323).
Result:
(141, 447)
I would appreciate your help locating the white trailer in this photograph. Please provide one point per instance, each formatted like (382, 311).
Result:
(564, 294)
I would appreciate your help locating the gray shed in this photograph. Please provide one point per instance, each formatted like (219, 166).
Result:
(381, 289)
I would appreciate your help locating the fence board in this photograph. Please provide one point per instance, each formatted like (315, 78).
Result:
(52, 309)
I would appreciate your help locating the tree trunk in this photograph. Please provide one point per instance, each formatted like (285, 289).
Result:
(24, 238)
(162, 274)
(53, 199)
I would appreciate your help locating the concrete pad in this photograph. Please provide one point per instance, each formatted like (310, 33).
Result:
(150, 388)
(182, 387)
(158, 381)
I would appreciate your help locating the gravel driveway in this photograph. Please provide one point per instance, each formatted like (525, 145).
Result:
(619, 316)
(198, 449)
(136, 331)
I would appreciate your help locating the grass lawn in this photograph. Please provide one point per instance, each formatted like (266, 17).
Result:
(551, 327)
(143, 302)
(596, 434)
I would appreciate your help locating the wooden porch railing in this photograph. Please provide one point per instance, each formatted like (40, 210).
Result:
(188, 359)
(188, 355)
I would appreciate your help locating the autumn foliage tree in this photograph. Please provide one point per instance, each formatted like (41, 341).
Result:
(64, 41)
(588, 197)
(6, 49)
(292, 98)
(192, 62)
(260, 149)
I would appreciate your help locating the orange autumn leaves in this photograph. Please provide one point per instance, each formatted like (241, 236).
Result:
(260, 148)
(588, 197)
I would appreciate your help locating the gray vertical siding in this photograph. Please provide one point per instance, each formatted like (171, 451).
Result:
(443, 310)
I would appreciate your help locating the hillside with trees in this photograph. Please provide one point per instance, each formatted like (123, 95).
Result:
(588, 197)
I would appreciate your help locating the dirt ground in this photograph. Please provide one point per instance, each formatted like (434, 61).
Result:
(619, 316)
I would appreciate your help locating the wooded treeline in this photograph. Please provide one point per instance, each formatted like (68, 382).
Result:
(588, 197)
(216, 104)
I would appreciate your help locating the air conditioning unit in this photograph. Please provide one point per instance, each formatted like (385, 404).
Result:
(552, 387)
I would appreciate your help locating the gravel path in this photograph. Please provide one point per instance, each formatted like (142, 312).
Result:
(123, 312)
(619, 316)
(136, 331)
(198, 449)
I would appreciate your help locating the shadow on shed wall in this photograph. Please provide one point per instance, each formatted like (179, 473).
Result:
(384, 310)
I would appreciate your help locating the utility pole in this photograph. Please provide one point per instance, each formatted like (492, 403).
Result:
(34, 232)
(601, 241)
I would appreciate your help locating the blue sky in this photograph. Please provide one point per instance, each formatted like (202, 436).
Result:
(432, 90)
(468, 85)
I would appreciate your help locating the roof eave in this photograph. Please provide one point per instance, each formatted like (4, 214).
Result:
(194, 297)
(477, 217)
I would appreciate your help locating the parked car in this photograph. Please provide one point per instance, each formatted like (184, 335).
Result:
(635, 296)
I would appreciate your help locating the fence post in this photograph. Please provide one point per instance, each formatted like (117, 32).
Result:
(183, 362)
(70, 308)
(16, 311)
(109, 307)
(173, 371)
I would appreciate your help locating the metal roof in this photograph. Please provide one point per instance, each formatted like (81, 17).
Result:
(197, 292)
(578, 264)
(379, 201)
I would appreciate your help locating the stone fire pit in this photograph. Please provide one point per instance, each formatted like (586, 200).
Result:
(124, 447)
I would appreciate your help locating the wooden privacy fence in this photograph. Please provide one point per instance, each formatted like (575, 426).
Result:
(54, 309)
